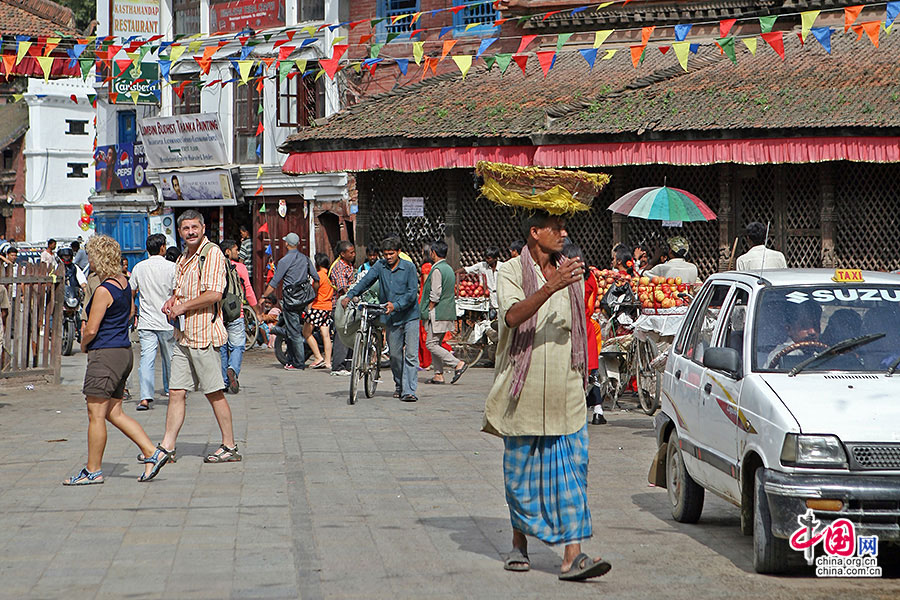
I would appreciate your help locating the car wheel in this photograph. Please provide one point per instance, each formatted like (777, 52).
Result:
(685, 495)
(770, 554)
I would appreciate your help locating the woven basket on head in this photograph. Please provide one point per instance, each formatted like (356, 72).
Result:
(536, 188)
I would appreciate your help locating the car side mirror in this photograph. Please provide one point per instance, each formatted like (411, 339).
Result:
(723, 359)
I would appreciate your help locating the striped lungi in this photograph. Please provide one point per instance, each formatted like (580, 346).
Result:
(546, 486)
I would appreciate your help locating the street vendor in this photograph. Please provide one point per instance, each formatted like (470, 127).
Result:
(487, 267)
(676, 266)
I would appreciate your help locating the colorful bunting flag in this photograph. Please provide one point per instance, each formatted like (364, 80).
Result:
(893, 11)
(590, 55)
(418, 51)
(503, 61)
(561, 40)
(402, 64)
(823, 35)
(775, 40)
(664, 49)
(50, 45)
(445, 31)
(727, 46)
(609, 54)
(175, 53)
(681, 31)
(330, 66)
(546, 58)
(448, 45)
(301, 66)
(375, 50)
(284, 67)
(851, 13)
(807, 20)
(244, 68)
(284, 52)
(484, 45)
(645, 34)
(8, 63)
(526, 39)
(21, 49)
(725, 26)
(600, 37)
(521, 60)
(767, 23)
(751, 45)
(464, 62)
(682, 50)
(490, 61)
(46, 63)
(872, 29)
(636, 53)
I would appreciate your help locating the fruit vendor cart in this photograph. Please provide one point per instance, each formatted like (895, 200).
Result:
(476, 332)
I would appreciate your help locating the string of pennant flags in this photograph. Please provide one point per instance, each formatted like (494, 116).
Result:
(107, 52)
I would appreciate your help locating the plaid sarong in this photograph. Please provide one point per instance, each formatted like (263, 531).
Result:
(546, 486)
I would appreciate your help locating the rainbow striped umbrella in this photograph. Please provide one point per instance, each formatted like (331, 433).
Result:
(662, 204)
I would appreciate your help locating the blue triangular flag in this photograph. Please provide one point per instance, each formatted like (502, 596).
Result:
(261, 68)
(402, 63)
(590, 55)
(445, 31)
(164, 66)
(245, 51)
(694, 48)
(893, 11)
(575, 11)
(164, 45)
(485, 44)
(308, 41)
(823, 34)
(681, 31)
(259, 150)
(25, 38)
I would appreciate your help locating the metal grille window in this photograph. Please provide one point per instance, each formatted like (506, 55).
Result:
(312, 10)
(477, 12)
(76, 127)
(78, 170)
(301, 100)
(189, 102)
(393, 8)
(247, 102)
(186, 16)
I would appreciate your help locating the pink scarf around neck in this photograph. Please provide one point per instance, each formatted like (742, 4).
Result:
(523, 335)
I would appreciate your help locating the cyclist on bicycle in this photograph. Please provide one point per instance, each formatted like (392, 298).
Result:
(399, 290)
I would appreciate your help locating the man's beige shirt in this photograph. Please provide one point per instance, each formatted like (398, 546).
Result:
(552, 399)
(202, 327)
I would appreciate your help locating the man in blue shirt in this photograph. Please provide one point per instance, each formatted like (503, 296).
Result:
(398, 285)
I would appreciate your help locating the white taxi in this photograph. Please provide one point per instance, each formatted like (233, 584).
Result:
(781, 396)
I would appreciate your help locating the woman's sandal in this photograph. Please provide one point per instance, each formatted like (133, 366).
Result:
(158, 460)
(172, 459)
(223, 454)
(85, 477)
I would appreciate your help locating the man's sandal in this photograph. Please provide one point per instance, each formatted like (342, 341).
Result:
(224, 454)
(517, 561)
(158, 460)
(85, 477)
(142, 459)
(585, 567)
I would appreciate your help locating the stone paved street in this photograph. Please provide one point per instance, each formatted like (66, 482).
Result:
(378, 500)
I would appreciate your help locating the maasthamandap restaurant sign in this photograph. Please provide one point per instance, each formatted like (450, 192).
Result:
(134, 17)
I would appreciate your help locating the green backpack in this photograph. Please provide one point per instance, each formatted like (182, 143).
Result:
(232, 301)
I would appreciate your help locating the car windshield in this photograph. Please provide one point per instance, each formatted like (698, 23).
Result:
(795, 323)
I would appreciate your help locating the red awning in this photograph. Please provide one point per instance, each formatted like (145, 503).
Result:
(693, 152)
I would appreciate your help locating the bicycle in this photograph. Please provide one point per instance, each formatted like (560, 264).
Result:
(475, 335)
(251, 326)
(367, 347)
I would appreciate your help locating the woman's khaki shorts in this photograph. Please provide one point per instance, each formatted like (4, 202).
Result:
(107, 372)
(197, 369)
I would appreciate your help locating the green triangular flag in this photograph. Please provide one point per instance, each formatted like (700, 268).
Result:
(727, 45)
(375, 50)
(562, 39)
(503, 61)
(375, 22)
(284, 67)
(262, 208)
(267, 36)
(391, 37)
(767, 23)
(490, 61)
(86, 64)
(259, 110)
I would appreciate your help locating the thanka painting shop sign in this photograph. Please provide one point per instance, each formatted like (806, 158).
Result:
(238, 15)
(183, 141)
(135, 17)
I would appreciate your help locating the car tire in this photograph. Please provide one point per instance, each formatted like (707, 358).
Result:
(771, 555)
(685, 495)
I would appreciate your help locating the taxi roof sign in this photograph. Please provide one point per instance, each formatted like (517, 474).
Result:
(848, 276)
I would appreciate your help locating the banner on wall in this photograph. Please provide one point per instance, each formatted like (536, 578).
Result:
(142, 78)
(237, 15)
(183, 141)
(135, 17)
(164, 223)
(210, 187)
(120, 167)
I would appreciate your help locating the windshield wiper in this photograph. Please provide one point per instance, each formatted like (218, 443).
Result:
(838, 348)
(893, 366)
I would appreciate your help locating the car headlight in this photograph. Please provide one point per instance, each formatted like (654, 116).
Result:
(822, 451)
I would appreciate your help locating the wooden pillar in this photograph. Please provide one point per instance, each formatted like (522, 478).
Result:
(451, 215)
(620, 182)
(826, 189)
(725, 218)
(363, 216)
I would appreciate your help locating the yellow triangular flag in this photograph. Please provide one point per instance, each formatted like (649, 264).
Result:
(464, 62)
(259, 172)
(751, 45)
(887, 30)
(134, 56)
(418, 51)
(175, 53)
(245, 66)
(17, 97)
(396, 18)
(21, 49)
(46, 62)
(310, 31)
(604, 5)
(195, 45)
(356, 67)
(319, 74)
(609, 54)
(471, 25)
(134, 95)
(301, 65)
(600, 37)
(338, 39)
(682, 50)
(807, 19)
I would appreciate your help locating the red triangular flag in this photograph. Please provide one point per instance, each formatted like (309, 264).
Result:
(179, 89)
(264, 228)
(521, 59)
(546, 59)
(113, 97)
(851, 13)
(636, 52)
(284, 52)
(775, 39)
(259, 192)
(290, 34)
(456, 9)
(365, 38)
(802, 41)
(330, 65)
(123, 64)
(551, 13)
(268, 60)
(664, 49)
(204, 63)
(260, 85)
(338, 51)
(260, 128)
(725, 26)
(526, 39)
(872, 29)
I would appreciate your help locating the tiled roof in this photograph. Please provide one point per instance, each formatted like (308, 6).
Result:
(853, 88)
(13, 122)
(35, 17)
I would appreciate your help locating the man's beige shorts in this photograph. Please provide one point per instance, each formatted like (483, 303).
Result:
(196, 369)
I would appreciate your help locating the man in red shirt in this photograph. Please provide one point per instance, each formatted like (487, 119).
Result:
(233, 351)
(342, 275)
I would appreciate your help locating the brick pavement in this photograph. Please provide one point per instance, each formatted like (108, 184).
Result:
(378, 500)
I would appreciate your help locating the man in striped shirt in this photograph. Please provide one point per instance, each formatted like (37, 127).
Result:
(195, 312)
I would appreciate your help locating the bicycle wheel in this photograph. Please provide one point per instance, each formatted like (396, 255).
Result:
(462, 349)
(647, 377)
(251, 327)
(373, 366)
(357, 369)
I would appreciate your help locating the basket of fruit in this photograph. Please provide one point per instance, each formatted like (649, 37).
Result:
(472, 292)
(664, 296)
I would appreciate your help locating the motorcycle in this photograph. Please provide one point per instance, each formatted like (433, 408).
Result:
(71, 304)
(282, 351)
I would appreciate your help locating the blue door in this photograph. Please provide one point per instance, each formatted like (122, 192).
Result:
(129, 229)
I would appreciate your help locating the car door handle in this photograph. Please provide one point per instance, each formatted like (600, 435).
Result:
(707, 388)
(678, 374)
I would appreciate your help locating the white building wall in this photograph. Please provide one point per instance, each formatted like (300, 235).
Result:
(52, 198)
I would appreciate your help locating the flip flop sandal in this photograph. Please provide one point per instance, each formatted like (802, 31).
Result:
(459, 373)
(158, 460)
(584, 567)
(143, 406)
(172, 459)
(85, 477)
(435, 381)
(517, 561)
(318, 365)
(226, 455)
